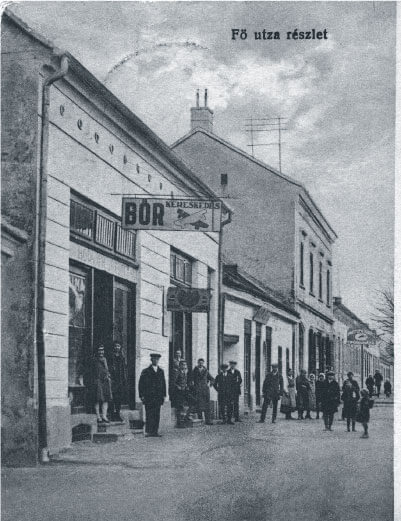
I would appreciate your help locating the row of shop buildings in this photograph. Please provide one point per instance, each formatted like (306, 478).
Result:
(73, 276)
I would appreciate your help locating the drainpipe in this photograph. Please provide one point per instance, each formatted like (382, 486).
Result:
(40, 254)
(220, 325)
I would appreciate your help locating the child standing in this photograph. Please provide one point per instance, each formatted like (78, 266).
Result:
(363, 415)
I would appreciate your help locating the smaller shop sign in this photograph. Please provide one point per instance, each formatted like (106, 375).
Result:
(262, 315)
(189, 300)
(360, 336)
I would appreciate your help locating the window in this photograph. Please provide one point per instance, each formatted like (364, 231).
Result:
(311, 272)
(224, 179)
(320, 280)
(86, 222)
(328, 288)
(267, 349)
(280, 359)
(301, 348)
(181, 268)
(301, 264)
(287, 360)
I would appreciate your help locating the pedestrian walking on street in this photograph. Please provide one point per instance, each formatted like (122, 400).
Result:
(319, 387)
(223, 384)
(387, 388)
(273, 388)
(118, 376)
(152, 392)
(303, 387)
(201, 380)
(378, 378)
(350, 396)
(237, 382)
(311, 395)
(289, 399)
(101, 382)
(363, 413)
(330, 400)
(370, 384)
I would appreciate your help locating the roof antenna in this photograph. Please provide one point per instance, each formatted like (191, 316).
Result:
(197, 98)
(205, 97)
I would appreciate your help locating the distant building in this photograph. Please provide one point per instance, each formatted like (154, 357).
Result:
(279, 235)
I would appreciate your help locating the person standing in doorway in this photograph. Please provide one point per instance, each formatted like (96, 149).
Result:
(102, 385)
(118, 375)
(201, 380)
(303, 388)
(237, 382)
(224, 387)
(378, 378)
(330, 400)
(182, 395)
(370, 384)
(152, 392)
(273, 388)
(350, 397)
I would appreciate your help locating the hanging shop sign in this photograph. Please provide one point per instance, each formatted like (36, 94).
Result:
(360, 336)
(190, 300)
(262, 315)
(182, 215)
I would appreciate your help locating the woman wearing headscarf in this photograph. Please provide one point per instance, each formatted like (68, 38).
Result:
(350, 397)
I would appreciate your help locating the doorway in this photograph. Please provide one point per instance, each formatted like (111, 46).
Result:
(257, 362)
(247, 362)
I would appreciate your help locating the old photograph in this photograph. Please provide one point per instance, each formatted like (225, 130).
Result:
(197, 260)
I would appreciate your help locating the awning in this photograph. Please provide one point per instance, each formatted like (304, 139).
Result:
(231, 339)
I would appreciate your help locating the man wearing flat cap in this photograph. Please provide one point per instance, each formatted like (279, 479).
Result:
(223, 384)
(272, 390)
(152, 392)
(237, 382)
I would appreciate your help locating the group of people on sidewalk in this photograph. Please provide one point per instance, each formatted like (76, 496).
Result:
(375, 381)
(324, 396)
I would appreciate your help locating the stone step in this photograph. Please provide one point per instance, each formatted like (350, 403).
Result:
(106, 437)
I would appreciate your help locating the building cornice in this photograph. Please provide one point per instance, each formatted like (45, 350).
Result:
(319, 314)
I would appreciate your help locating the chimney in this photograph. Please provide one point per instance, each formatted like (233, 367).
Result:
(201, 117)
(337, 301)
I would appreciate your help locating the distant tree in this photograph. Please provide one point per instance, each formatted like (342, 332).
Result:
(384, 320)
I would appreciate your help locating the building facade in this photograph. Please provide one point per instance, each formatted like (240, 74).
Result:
(279, 234)
(70, 151)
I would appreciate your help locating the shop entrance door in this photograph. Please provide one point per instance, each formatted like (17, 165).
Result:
(247, 362)
(181, 337)
(257, 362)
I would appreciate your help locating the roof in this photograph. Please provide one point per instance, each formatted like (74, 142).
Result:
(241, 280)
(93, 83)
(258, 162)
(352, 315)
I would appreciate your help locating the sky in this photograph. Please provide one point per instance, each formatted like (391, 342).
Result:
(338, 96)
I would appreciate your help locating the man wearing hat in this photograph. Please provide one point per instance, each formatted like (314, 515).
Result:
(224, 386)
(152, 392)
(330, 400)
(237, 382)
(272, 390)
(350, 397)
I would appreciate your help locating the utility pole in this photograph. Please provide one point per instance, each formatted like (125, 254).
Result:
(254, 125)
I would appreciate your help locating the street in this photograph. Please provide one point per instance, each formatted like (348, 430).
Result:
(291, 470)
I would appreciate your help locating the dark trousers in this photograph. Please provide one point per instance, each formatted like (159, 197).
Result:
(328, 418)
(378, 387)
(236, 407)
(152, 418)
(371, 391)
(266, 402)
(205, 409)
(318, 409)
(226, 408)
(116, 403)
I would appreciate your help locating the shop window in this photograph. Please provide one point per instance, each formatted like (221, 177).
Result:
(280, 359)
(287, 360)
(81, 219)
(301, 348)
(267, 349)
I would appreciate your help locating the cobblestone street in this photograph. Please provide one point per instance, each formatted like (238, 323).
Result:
(286, 471)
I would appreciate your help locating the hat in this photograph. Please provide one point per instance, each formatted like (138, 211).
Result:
(321, 374)
(330, 373)
(232, 362)
(350, 373)
(274, 365)
(223, 366)
(182, 361)
(155, 355)
(364, 391)
(201, 360)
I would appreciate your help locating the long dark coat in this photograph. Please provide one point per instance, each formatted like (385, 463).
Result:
(273, 386)
(224, 386)
(319, 388)
(200, 381)
(303, 388)
(118, 374)
(101, 380)
(350, 397)
(363, 415)
(152, 386)
(237, 381)
(330, 397)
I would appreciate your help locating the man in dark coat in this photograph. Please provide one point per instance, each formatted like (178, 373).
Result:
(330, 400)
(152, 392)
(378, 377)
(350, 397)
(319, 387)
(370, 384)
(303, 387)
(223, 384)
(272, 390)
(118, 376)
(237, 382)
(200, 380)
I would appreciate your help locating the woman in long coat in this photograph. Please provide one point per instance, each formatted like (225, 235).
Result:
(101, 385)
(330, 400)
(303, 387)
(201, 380)
(289, 400)
(350, 397)
(312, 393)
